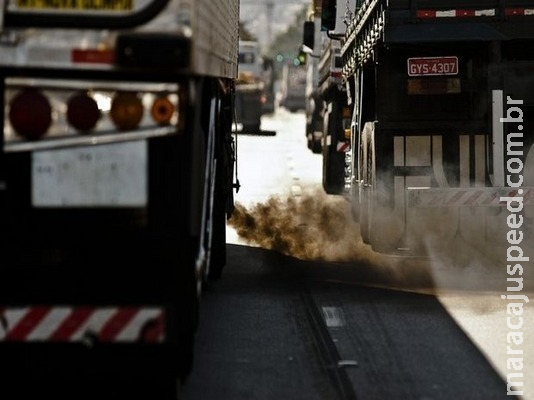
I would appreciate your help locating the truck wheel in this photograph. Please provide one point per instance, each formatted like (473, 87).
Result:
(316, 146)
(355, 208)
(364, 226)
(218, 244)
(252, 128)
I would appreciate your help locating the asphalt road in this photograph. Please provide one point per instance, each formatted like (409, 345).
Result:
(257, 339)
(277, 326)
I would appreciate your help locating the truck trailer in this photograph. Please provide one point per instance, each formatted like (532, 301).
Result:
(441, 133)
(116, 180)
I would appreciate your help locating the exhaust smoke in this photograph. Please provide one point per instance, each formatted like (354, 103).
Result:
(314, 226)
(319, 227)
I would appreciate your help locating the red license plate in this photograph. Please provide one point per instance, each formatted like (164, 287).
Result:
(424, 66)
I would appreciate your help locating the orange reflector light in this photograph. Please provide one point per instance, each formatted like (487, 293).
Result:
(30, 114)
(428, 86)
(162, 110)
(82, 112)
(126, 111)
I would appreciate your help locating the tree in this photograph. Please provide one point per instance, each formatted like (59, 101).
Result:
(244, 33)
(288, 42)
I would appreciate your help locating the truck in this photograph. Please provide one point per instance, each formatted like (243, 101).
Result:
(293, 87)
(439, 155)
(314, 108)
(116, 181)
(327, 108)
(269, 80)
(250, 86)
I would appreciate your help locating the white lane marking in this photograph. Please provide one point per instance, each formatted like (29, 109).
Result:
(333, 317)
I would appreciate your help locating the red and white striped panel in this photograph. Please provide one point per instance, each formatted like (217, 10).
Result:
(343, 147)
(491, 12)
(458, 13)
(468, 197)
(75, 324)
(519, 11)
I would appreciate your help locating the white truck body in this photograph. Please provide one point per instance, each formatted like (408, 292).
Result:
(212, 43)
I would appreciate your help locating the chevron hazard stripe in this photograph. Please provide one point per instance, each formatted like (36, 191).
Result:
(343, 147)
(462, 13)
(76, 324)
(468, 197)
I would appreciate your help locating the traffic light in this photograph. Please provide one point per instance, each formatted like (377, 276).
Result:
(301, 58)
(328, 15)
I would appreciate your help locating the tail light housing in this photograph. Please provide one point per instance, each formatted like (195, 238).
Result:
(48, 113)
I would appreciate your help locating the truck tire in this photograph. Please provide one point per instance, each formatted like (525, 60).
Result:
(315, 146)
(252, 128)
(355, 208)
(366, 205)
(217, 259)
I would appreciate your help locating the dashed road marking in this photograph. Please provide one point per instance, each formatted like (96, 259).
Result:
(333, 317)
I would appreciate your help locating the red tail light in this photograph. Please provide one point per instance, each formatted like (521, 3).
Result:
(30, 114)
(82, 112)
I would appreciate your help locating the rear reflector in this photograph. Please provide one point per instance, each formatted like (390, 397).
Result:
(434, 86)
(93, 56)
(126, 111)
(162, 110)
(30, 114)
(82, 112)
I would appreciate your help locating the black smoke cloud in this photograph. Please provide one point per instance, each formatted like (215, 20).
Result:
(314, 226)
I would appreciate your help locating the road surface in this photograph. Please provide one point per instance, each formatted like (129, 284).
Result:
(300, 316)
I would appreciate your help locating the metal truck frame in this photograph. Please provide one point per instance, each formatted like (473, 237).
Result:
(116, 180)
(442, 123)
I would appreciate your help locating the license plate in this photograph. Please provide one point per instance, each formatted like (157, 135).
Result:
(428, 66)
(113, 175)
(92, 5)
